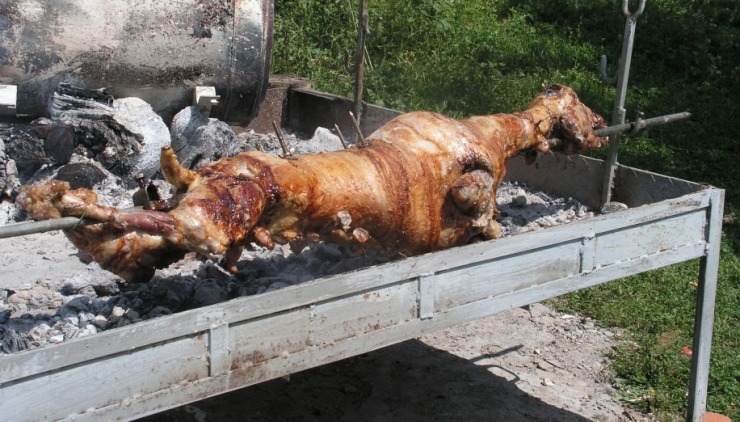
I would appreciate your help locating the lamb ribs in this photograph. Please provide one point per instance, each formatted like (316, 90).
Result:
(420, 183)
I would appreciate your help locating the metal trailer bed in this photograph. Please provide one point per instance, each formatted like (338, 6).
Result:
(169, 361)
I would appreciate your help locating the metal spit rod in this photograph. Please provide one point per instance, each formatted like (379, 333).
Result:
(633, 127)
(22, 229)
(639, 124)
(65, 223)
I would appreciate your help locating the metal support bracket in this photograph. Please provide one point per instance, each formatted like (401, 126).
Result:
(426, 296)
(588, 253)
(8, 100)
(205, 98)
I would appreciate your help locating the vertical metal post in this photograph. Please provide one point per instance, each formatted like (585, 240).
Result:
(362, 30)
(704, 317)
(621, 78)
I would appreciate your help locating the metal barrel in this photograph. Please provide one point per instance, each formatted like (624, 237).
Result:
(155, 50)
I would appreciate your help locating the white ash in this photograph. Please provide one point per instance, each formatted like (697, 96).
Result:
(53, 311)
(137, 116)
(9, 178)
(10, 213)
(323, 140)
(524, 210)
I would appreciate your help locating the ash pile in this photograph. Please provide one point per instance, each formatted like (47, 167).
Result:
(112, 146)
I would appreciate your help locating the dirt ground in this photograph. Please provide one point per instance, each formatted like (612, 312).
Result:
(522, 365)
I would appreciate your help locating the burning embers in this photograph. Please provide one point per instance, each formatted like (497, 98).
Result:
(57, 309)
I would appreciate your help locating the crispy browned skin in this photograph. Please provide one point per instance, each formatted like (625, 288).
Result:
(423, 182)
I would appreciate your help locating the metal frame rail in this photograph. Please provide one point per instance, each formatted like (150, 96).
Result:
(150, 366)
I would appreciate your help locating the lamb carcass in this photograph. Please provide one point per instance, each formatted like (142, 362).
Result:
(422, 182)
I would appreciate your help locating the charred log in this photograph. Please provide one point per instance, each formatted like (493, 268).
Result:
(80, 175)
(123, 135)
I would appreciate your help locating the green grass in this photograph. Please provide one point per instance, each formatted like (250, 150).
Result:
(486, 56)
(657, 310)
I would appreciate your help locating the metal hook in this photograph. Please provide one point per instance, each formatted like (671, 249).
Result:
(611, 80)
(626, 9)
(637, 125)
(632, 18)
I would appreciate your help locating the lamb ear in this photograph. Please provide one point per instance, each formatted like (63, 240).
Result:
(553, 90)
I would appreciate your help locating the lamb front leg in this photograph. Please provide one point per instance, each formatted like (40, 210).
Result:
(474, 194)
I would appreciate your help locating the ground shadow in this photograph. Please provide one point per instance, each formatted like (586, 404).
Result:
(409, 381)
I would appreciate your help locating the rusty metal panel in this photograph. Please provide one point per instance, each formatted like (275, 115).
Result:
(275, 105)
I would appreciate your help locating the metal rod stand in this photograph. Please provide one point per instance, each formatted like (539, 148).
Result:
(621, 79)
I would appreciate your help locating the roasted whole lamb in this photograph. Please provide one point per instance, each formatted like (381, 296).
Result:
(422, 182)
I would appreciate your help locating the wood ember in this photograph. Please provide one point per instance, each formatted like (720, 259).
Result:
(42, 141)
(124, 135)
(80, 174)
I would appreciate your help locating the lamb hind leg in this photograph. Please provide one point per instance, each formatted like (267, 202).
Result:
(147, 221)
(130, 245)
(54, 199)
